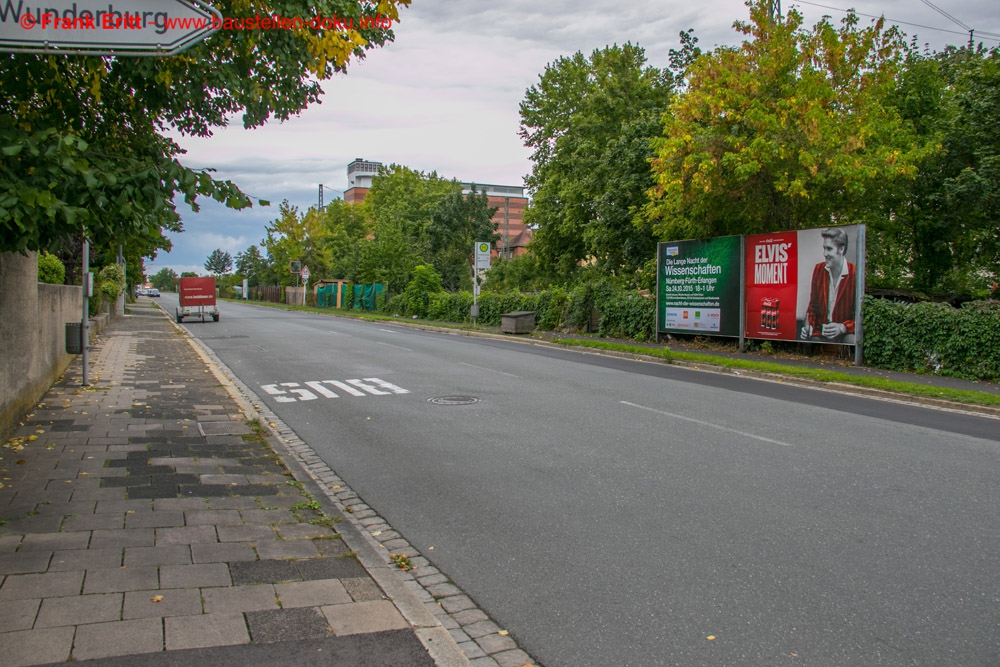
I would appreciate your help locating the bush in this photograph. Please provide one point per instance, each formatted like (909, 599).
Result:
(51, 269)
(934, 338)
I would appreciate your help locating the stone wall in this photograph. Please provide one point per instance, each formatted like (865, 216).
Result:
(33, 319)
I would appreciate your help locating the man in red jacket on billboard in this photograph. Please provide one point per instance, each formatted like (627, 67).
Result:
(830, 316)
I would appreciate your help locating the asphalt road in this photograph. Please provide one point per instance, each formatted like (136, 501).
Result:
(612, 512)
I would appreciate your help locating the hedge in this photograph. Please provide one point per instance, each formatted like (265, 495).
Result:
(922, 337)
(934, 338)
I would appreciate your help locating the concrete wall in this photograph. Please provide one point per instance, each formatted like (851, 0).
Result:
(33, 319)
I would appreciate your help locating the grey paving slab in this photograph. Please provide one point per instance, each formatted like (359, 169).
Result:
(191, 576)
(85, 559)
(55, 541)
(291, 549)
(285, 625)
(312, 593)
(213, 517)
(18, 614)
(162, 603)
(135, 537)
(52, 584)
(36, 647)
(121, 580)
(205, 630)
(239, 598)
(130, 637)
(23, 562)
(80, 609)
(185, 535)
(362, 589)
(246, 533)
(223, 552)
(173, 554)
(331, 568)
(166, 519)
(264, 572)
(91, 522)
(358, 617)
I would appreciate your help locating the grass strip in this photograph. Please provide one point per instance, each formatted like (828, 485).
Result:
(815, 374)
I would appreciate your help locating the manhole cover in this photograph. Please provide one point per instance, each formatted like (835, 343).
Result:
(453, 400)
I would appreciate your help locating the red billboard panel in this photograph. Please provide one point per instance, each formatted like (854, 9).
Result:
(804, 285)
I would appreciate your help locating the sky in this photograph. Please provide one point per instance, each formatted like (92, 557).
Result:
(444, 97)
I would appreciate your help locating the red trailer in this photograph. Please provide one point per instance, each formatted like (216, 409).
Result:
(197, 297)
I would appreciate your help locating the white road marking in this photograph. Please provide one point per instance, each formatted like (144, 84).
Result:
(347, 388)
(483, 368)
(398, 347)
(388, 331)
(370, 386)
(704, 423)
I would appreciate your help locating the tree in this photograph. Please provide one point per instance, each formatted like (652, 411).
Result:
(457, 222)
(346, 227)
(945, 231)
(292, 237)
(165, 279)
(251, 265)
(589, 122)
(83, 139)
(401, 205)
(787, 131)
(219, 263)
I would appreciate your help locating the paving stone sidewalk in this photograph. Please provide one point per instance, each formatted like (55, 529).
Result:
(145, 515)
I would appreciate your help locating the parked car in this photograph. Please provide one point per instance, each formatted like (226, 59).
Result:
(153, 292)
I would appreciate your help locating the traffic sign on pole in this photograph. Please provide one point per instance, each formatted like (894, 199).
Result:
(106, 27)
(482, 255)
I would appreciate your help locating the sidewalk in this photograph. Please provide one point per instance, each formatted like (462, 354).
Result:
(144, 516)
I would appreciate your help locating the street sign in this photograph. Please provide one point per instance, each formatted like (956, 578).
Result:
(482, 255)
(305, 274)
(294, 266)
(106, 27)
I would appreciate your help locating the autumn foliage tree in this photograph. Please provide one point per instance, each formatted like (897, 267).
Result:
(789, 130)
(84, 141)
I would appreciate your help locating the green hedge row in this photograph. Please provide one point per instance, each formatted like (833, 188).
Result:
(922, 337)
(934, 338)
(622, 314)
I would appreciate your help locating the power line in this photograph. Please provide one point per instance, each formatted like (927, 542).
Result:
(989, 35)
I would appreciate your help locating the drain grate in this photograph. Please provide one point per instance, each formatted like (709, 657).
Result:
(223, 428)
(453, 400)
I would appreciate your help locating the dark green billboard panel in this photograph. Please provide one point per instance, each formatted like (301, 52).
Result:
(698, 286)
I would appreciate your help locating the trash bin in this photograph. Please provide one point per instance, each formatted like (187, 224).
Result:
(521, 322)
(74, 338)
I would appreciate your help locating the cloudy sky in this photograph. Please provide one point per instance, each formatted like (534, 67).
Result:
(444, 96)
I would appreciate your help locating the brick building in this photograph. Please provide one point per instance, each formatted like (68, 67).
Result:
(509, 201)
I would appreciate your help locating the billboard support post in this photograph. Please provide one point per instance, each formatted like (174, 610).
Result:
(859, 297)
(743, 294)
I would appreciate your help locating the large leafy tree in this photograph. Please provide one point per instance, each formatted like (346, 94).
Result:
(788, 130)
(401, 205)
(589, 122)
(945, 232)
(457, 222)
(346, 226)
(252, 266)
(301, 238)
(83, 139)
(164, 279)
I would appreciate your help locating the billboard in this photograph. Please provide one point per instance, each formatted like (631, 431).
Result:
(698, 286)
(804, 285)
